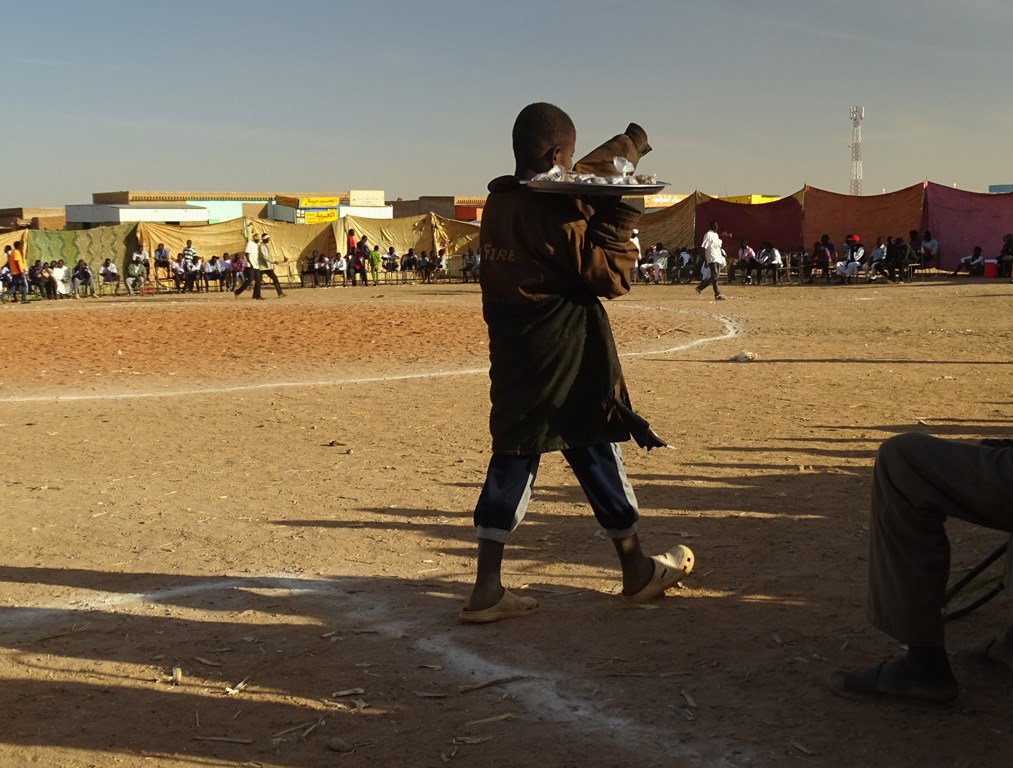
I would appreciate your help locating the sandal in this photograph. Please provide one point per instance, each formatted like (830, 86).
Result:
(891, 680)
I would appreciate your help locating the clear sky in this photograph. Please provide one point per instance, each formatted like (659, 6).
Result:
(418, 98)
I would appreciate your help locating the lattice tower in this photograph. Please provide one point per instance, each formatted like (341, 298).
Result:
(857, 113)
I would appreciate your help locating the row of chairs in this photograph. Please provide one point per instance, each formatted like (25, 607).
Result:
(793, 271)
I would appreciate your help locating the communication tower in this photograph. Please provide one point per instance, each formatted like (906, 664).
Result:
(857, 113)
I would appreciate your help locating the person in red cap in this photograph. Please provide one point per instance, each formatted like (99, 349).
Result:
(853, 258)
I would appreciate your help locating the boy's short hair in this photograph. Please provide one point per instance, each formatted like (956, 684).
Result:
(538, 128)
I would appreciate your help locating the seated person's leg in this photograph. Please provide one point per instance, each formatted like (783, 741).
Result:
(919, 482)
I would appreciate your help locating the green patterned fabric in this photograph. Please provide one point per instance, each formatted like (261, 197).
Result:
(116, 242)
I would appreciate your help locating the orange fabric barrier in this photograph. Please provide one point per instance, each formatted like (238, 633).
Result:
(895, 213)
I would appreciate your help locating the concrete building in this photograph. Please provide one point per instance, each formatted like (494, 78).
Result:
(183, 208)
(32, 218)
(319, 209)
(460, 207)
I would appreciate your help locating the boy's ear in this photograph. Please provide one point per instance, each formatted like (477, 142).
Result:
(551, 156)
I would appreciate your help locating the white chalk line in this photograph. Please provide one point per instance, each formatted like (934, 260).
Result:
(731, 330)
(548, 692)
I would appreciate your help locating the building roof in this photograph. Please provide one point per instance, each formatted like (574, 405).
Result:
(27, 213)
(129, 197)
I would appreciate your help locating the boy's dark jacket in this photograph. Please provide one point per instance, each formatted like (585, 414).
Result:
(556, 381)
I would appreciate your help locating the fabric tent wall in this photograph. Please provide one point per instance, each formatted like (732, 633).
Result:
(404, 233)
(208, 240)
(672, 226)
(960, 220)
(895, 213)
(94, 245)
(456, 236)
(779, 222)
(9, 238)
(291, 244)
(427, 232)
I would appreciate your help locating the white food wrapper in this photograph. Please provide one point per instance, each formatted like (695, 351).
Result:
(623, 166)
(624, 175)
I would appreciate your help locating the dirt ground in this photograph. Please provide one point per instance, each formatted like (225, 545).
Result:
(274, 498)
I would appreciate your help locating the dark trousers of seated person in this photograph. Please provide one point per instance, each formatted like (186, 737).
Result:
(213, 277)
(893, 270)
(809, 272)
(677, 273)
(767, 269)
(164, 265)
(920, 481)
(741, 266)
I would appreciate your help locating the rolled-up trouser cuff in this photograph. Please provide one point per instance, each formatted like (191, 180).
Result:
(623, 533)
(493, 534)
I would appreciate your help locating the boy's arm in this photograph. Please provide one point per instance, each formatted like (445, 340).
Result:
(605, 256)
(632, 145)
(602, 250)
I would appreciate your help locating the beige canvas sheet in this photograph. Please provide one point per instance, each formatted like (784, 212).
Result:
(209, 240)
(291, 244)
(9, 238)
(673, 226)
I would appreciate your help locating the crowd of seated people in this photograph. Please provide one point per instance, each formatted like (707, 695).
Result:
(189, 272)
(52, 280)
(895, 259)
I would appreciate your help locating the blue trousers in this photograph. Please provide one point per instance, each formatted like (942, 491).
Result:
(599, 470)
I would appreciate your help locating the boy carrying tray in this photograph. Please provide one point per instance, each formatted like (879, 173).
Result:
(556, 382)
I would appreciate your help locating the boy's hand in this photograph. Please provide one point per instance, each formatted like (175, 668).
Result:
(639, 138)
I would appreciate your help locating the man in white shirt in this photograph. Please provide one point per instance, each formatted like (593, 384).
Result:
(251, 273)
(141, 255)
(769, 260)
(212, 274)
(109, 275)
(714, 258)
(658, 268)
(930, 249)
(635, 269)
(683, 266)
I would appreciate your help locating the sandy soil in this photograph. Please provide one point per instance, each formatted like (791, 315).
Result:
(274, 498)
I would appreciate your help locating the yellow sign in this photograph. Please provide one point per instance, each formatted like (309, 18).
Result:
(321, 217)
(318, 202)
(307, 202)
(662, 201)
